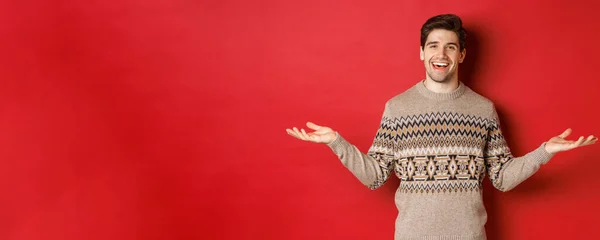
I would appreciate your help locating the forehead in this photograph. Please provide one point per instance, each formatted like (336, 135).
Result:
(442, 36)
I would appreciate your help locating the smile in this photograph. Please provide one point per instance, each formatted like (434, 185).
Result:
(440, 65)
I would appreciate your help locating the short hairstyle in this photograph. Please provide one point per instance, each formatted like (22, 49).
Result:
(448, 22)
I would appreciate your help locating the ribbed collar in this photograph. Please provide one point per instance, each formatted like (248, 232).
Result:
(456, 93)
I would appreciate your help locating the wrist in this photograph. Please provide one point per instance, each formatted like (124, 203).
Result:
(334, 139)
(548, 150)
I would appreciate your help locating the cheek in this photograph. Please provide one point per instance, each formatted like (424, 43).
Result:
(426, 56)
(456, 57)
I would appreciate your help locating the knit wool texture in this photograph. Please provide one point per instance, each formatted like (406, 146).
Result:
(440, 146)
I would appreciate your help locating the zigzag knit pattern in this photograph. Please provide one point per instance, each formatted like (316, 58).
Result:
(440, 152)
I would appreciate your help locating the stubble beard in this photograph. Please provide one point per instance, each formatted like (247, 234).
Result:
(440, 79)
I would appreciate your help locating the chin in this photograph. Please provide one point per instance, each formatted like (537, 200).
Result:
(440, 79)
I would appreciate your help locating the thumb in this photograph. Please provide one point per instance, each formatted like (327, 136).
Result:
(313, 126)
(566, 133)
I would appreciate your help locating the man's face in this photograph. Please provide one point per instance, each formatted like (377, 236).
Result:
(441, 55)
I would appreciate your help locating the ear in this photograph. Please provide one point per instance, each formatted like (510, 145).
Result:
(462, 55)
(421, 54)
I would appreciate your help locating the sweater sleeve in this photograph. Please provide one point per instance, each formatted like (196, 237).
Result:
(373, 168)
(504, 170)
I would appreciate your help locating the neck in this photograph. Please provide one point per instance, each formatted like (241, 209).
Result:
(441, 87)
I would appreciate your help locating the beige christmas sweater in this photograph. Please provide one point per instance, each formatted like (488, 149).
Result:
(440, 146)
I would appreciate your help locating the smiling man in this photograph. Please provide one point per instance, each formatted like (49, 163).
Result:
(441, 139)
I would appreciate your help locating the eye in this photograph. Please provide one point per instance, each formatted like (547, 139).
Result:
(432, 46)
(452, 47)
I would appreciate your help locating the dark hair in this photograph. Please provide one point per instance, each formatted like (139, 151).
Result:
(449, 22)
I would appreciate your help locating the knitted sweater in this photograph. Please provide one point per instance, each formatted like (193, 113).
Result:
(440, 146)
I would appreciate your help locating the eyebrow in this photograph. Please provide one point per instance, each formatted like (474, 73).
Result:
(436, 42)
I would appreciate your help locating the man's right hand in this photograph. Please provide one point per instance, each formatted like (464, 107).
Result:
(320, 135)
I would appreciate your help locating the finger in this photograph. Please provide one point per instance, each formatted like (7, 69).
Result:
(292, 133)
(578, 142)
(305, 135)
(586, 143)
(589, 141)
(299, 134)
(312, 126)
(590, 137)
(566, 133)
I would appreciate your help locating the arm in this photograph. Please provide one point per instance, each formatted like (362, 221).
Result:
(507, 172)
(372, 169)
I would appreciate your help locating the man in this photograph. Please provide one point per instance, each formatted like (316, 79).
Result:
(440, 138)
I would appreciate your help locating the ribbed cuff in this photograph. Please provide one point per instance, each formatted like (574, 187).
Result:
(540, 155)
(337, 145)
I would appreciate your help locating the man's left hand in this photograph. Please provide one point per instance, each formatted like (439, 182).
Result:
(561, 144)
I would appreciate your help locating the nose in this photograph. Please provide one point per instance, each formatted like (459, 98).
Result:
(442, 51)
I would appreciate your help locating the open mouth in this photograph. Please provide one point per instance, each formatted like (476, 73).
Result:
(441, 66)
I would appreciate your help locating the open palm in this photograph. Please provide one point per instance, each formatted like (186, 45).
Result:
(560, 143)
(320, 135)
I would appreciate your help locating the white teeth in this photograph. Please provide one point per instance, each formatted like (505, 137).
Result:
(440, 64)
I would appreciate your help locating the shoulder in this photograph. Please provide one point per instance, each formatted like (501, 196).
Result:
(396, 105)
(403, 97)
(477, 101)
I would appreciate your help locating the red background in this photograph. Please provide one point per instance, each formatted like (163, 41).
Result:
(166, 119)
